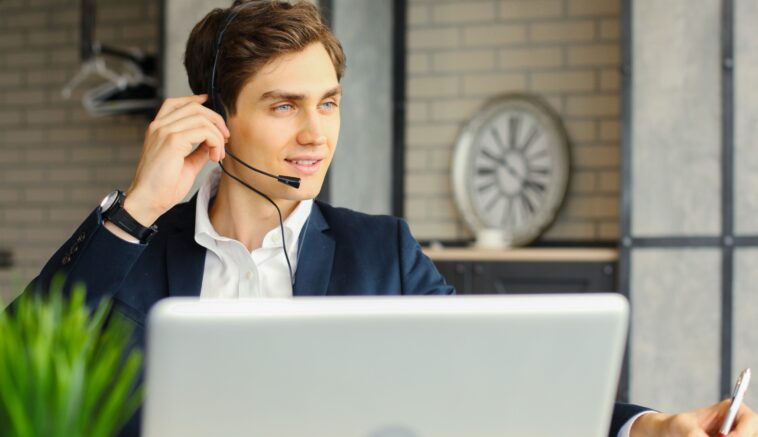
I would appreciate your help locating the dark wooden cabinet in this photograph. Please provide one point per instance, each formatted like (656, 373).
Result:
(524, 271)
(5, 259)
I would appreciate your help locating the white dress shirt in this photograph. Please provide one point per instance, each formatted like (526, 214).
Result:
(231, 271)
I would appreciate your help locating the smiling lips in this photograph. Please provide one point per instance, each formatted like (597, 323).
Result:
(305, 165)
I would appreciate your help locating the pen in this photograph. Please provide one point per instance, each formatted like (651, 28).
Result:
(737, 395)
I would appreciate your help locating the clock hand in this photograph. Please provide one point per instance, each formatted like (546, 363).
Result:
(502, 161)
(510, 169)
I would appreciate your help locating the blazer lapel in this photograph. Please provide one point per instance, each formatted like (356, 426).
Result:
(315, 256)
(185, 259)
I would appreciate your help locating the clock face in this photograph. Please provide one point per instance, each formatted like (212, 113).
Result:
(510, 168)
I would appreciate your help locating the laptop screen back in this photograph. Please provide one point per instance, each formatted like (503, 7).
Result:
(385, 367)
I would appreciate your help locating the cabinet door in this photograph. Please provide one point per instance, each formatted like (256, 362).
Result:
(542, 277)
(456, 273)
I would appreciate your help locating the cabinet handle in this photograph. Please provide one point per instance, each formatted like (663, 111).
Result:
(478, 270)
(460, 269)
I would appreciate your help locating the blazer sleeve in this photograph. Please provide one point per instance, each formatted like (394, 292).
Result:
(418, 273)
(621, 414)
(92, 256)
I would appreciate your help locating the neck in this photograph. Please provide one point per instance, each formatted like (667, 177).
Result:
(241, 214)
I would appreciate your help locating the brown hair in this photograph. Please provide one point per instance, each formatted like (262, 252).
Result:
(261, 31)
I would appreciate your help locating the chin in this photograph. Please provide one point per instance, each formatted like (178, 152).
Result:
(307, 190)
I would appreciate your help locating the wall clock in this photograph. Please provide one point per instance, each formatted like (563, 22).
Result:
(511, 168)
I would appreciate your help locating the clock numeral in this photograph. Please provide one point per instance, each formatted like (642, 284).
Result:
(538, 187)
(485, 187)
(533, 134)
(490, 156)
(527, 202)
(507, 212)
(491, 204)
(537, 155)
(513, 127)
(485, 171)
(498, 140)
(544, 171)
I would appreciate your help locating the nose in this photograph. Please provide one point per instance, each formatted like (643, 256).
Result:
(311, 133)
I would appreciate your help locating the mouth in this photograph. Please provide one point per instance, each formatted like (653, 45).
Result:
(305, 166)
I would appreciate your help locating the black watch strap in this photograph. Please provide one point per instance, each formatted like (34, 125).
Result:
(117, 215)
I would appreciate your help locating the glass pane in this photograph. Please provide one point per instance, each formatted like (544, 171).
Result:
(745, 304)
(745, 118)
(676, 126)
(676, 325)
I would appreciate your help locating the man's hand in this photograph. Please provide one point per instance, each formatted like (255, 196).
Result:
(704, 422)
(168, 166)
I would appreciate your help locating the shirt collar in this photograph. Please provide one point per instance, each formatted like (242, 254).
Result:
(206, 235)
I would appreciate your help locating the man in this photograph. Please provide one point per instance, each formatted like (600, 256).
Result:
(280, 71)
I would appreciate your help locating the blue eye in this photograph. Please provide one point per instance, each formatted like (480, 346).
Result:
(332, 105)
(282, 108)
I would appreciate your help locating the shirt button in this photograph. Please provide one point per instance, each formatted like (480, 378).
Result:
(276, 238)
(249, 275)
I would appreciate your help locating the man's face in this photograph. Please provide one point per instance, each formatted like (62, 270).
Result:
(287, 123)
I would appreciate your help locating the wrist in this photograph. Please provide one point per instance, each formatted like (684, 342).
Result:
(144, 215)
(120, 233)
(648, 424)
(114, 212)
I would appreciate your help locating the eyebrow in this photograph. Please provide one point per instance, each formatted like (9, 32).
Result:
(284, 95)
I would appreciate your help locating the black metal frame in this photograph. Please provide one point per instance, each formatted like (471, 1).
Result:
(624, 264)
(727, 193)
(327, 14)
(726, 241)
(399, 51)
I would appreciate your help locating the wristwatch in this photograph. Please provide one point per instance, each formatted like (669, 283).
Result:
(112, 209)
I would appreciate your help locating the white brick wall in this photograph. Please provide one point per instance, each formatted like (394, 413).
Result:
(56, 163)
(462, 52)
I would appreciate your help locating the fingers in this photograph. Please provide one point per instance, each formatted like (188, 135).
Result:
(190, 108)
(175, 132)
(198, 135)
(197, 159)
(746, 423)
(713, 413)
(171, 104)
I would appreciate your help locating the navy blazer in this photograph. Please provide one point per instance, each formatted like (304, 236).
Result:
(342, 252)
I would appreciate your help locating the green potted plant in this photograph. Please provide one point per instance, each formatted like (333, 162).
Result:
(65, 371)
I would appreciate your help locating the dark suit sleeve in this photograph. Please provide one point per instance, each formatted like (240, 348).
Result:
(418, 273)
(621, 414)
(92, 256)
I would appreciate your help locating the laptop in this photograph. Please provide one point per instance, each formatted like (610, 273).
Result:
(545, 365)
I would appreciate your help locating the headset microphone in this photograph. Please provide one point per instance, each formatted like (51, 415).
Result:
(287, 180)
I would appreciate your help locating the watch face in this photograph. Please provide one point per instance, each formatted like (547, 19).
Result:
(510, 168)
(109, 200)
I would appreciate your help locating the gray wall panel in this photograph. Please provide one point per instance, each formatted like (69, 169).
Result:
(676, 118)
(361, 172)
(676, 325)
(745, 328)
(746, 118)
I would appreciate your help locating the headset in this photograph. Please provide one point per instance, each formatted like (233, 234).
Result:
(215, 104)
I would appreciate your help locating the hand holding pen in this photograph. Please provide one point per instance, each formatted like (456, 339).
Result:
(729, 418)
(739, 393)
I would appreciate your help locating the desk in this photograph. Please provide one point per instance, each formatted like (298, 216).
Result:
(527, 270)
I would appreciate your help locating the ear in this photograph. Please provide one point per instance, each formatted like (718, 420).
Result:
(214, 103)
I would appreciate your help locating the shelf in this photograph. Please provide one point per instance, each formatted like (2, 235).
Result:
(525, 254)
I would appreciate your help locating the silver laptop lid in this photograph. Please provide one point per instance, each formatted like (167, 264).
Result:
(385, 367)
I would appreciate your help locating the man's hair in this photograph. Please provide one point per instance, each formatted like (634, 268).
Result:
(261, 31)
